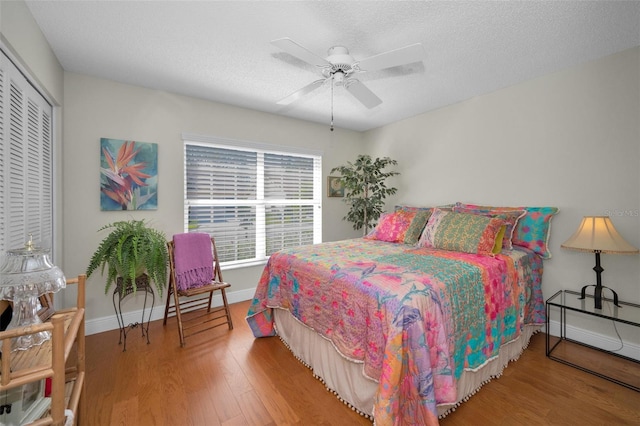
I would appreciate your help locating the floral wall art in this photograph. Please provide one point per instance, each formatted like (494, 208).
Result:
(128, 175)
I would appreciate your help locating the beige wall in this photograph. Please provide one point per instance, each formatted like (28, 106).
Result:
(96, 108)
(569, 139)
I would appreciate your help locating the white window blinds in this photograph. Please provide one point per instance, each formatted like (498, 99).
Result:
(26, 155)
(254, 201)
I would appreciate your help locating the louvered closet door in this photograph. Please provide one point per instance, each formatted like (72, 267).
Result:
(26, 175)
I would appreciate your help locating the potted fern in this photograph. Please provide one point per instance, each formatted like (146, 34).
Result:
(365, 189)
(133, 254)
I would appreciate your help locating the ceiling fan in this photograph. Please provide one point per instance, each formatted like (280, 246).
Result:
(339, 68)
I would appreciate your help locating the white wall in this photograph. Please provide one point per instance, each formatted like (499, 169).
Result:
(96, 108)
(570, 140)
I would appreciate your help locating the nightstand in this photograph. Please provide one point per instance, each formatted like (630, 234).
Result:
(622, 370)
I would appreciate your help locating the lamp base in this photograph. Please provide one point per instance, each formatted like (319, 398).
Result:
(25, 314)
(597, 295)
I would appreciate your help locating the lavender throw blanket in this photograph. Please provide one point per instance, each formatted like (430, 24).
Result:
(193, 260)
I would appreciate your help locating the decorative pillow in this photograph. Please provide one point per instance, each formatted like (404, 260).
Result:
(510, 218)
(392, 227)
(460, 205)
(497, 247)
(464, 232)
(447, 207)
(412, 208)
(418, 223)
(532, 230)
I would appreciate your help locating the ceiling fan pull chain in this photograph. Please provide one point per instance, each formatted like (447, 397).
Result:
(332, 102)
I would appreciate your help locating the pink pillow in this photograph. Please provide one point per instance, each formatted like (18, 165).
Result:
(392, 227)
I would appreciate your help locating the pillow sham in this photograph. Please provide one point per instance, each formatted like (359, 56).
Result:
(392, 227)
(412, 208)
(463, 232)
(497, 247)
(417, 209)
(510, 218)
(532, 230)
(416, 227)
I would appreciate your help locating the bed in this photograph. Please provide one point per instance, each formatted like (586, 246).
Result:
(405, 331)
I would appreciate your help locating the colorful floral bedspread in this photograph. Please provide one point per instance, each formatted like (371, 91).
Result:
(415, 317)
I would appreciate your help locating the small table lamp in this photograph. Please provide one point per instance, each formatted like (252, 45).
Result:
(25, 275)
(596, 234)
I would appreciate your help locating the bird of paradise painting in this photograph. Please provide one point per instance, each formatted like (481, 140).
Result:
(128, 175)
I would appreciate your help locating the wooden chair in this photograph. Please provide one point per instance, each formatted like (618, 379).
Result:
(192, 307)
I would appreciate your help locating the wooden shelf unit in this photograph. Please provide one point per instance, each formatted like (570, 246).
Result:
(52, 359)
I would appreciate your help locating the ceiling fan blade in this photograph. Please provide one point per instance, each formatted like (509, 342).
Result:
(302, 92)
(392, 58)
(362, 93)
(293, 48)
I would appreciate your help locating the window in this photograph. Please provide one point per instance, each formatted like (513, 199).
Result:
(254, 199)
(26, 156)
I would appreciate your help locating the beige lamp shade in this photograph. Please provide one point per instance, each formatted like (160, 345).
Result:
(597, 234)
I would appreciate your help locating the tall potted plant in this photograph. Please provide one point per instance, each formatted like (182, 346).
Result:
(132, 251)
(365, 189)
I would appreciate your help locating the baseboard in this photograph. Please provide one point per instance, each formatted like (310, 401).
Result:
(100, 325)
(628, 349)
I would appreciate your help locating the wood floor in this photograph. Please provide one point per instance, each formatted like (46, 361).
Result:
(229, 378)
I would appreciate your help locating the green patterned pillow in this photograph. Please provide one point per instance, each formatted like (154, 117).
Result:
(532, 230)
(463, 232)
(510, 218)
(414, 231)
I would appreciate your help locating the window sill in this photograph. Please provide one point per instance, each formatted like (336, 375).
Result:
(244, 264)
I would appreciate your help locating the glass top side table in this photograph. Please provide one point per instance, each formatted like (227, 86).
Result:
(569, 301)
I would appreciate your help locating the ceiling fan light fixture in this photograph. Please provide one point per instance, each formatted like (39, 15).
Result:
(339, 55)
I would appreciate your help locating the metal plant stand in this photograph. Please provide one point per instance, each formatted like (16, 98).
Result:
(120, 292)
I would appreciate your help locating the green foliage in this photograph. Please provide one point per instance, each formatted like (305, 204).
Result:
(365, 189)
(130, 250)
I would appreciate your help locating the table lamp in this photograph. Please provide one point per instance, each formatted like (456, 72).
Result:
(25, 275)
(596, 234)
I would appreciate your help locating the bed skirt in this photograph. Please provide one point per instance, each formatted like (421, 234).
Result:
(346, 378)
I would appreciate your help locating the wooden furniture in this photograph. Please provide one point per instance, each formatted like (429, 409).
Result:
(62, 358)
(194, 300)
(622, 312)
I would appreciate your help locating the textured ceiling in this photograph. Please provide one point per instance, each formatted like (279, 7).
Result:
(221, 51)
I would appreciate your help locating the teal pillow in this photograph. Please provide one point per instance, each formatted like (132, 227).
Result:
(534, 229)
